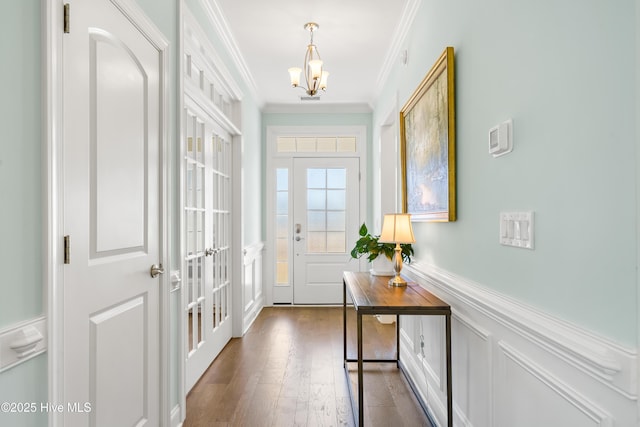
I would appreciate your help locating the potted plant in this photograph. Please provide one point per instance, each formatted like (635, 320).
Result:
(379, 254)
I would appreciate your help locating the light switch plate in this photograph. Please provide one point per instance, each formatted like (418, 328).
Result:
(516, 229)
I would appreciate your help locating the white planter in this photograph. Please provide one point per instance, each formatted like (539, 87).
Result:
(382, 266)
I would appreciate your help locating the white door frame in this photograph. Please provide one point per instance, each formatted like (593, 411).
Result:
(53, 190)
(274, 159)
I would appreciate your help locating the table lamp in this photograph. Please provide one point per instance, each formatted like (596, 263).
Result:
(396, 228)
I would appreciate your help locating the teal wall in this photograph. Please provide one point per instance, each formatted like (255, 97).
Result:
(21, 198)
(565, 72)
(26, 383)
(20, 172)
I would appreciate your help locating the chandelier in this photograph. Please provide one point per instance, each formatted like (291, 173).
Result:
(314, 74)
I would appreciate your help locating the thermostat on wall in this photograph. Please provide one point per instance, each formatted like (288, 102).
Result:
(501, 138)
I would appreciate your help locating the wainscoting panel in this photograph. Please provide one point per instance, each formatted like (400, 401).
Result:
(548, 400)
(252, 295)
(513, 365)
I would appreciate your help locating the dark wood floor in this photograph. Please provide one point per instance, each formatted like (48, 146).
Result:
(287, 371)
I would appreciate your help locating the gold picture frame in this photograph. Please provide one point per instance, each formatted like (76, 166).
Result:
(427, 145)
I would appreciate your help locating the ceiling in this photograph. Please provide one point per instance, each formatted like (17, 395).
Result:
(358, 40)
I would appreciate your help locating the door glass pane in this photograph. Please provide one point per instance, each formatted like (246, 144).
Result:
(336, 199)
(282, 227)
(336, 178)
(336, 241)
(282, 179)
(282, 273)
(188, 184)
(316, 178)
(282, 202)
(316, 199)
(316, 221)
(316, 241)
(336, 221)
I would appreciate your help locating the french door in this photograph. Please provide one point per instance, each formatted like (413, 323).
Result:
(207, 234)
(320, 226)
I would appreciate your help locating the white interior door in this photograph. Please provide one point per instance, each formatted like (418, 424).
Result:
(326, 204)
(111, 213)
(207, 222)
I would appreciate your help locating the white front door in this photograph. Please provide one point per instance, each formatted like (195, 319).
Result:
(207, 219)
(326, 213)
(111, 213)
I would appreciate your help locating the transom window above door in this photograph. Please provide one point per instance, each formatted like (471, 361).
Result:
(293, 144)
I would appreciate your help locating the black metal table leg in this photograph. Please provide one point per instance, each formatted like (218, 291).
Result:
(449, 385)
(360, 375)
(344, 321)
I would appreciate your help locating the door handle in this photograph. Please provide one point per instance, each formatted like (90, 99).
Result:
(155, 270)
(298, 238)
(209, 251)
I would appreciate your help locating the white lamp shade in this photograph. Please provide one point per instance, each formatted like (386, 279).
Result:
(396, 228)
(294, 73)
(323, 80)
(316, 68)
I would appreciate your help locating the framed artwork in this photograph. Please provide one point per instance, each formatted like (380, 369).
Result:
(427, 145)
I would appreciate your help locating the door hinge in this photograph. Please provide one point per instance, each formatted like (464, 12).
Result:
(66, 18)
(67, 250)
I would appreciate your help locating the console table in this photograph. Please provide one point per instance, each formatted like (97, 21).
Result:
(372, 295)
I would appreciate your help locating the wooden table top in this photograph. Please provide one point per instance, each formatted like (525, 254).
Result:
(372, 295)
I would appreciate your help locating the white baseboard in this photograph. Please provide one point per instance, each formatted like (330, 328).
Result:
(514, 365)
(176, 416)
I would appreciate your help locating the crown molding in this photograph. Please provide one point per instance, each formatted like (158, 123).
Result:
(301, 108)
(399, 37)
(221, 26)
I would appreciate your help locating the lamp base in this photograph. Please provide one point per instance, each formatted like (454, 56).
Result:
(397, 281)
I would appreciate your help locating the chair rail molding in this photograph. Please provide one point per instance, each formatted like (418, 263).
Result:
(507, 354)
(22, 341)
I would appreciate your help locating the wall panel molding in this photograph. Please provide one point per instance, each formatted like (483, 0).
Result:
(22, 341)
(586, 411)
(604, 360)
(506, 351)
(252, 289)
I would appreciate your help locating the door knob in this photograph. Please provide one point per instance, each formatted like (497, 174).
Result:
(209, 251)
(298, 238)
(155, 270)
